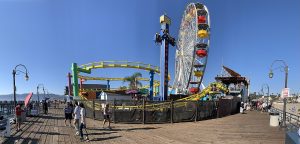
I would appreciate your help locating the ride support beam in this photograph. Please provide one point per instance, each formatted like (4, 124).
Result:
(164, 39)
(88, 71)
(151, 84)
(75, 70)
(75, 80)
(108, 85)
(81, 83)
(70, 83)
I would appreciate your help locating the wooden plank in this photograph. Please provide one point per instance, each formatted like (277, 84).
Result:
(252, 127)
(43, 131)
(28, 135)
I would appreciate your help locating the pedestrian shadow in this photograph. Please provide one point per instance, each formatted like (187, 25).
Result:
(134, 129)
(49, 133)
(101, 133)
(106, 138)
(52, 117)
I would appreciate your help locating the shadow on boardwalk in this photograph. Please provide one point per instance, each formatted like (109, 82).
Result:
(252, 127)
(106, 138)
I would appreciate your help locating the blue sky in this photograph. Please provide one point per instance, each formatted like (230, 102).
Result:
(48, 35)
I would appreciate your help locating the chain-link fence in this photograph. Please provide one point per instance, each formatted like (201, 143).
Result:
(122, 111)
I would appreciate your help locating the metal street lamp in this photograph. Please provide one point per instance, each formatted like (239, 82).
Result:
(45, 90)
(37, 91)
(271, 74)
(268, 94)
(15, 72)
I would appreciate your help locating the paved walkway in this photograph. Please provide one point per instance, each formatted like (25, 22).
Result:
(252, 128)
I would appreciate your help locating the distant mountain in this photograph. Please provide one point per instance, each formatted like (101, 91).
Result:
(21, 97)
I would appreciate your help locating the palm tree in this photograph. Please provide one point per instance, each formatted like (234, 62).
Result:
(133, 80)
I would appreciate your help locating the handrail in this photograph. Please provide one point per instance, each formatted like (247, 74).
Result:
(292, 119)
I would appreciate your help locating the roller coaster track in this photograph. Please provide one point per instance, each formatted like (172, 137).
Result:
(220, 88)
(120, 64)
(110, 79)
(156, 83)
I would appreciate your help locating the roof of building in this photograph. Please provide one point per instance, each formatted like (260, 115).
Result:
(231, 77)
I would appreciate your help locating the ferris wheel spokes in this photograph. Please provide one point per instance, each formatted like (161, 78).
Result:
(192, 49)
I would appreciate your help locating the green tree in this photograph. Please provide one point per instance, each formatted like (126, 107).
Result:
(123, 87)
(134, 83)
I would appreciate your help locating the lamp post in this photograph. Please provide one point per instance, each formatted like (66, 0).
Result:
(268, 94)
(44, 93)
(271, 74)
(37, 91)
(14, 79)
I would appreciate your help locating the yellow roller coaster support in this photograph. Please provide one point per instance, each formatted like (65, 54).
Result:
(207, 90)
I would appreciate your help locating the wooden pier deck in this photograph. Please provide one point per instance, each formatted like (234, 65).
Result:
(252, 128)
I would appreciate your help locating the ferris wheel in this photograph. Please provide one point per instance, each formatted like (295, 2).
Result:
(192, 49)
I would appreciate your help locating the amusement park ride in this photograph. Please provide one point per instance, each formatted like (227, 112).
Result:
(191, 60)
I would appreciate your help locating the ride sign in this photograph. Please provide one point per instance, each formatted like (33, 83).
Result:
(285, 93)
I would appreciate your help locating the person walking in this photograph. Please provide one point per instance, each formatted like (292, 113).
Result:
(83, 123)
(18, 116)
(264, 107)
(76, 118)
(45, 106)
(68, 113)
(106, 116)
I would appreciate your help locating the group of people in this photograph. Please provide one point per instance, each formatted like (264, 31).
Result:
(261, 106)
(79, 120)
(76, 113)
(79, 114)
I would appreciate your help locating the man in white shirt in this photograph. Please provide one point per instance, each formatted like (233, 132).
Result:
(264, 105)
(76, 118)
(83, 122)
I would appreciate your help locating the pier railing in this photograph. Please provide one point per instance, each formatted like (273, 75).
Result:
(7, 108)
(292, 120)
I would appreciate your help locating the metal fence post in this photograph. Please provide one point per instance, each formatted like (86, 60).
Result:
(217, 108)
(172, 111)
(196, 110)
(298, 121)
(114, 111)
(144, 111)
(94, 109)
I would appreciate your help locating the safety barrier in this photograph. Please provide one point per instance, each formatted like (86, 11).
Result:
(160, 112)
(292, 120)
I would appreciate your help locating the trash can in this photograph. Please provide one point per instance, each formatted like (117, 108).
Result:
(274, 119)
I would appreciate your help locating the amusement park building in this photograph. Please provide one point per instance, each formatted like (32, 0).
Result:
(238, 86)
